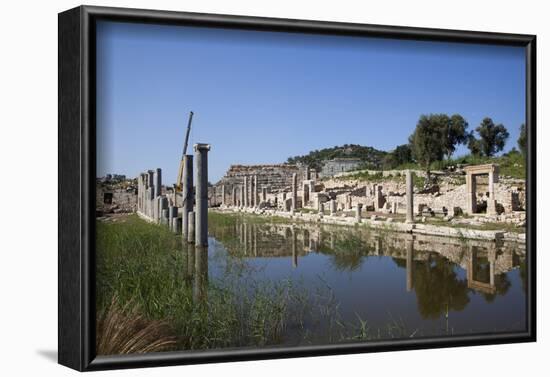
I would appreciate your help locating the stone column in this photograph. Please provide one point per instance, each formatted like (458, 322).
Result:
(332, 207)
(358, 209)
(321, 209)
(294, 191)
(201, 216)
(191, 227)
(378, 198)
(139, 193)
(176, 224)
(187, 191)
(223, 195)
(241, 204)
(164, 219)
(305, 194)
(264, 194)
(158, 182)
(255, 201)
(410, 197)
(172, 213)
(471, 205)
(234, 196)
(245, 204)
(491, 202)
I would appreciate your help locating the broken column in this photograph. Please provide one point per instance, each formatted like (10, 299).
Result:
(201, 215)
(358, 212)
(294, 192)
(187, 192)
(410, 194)
(264, 194)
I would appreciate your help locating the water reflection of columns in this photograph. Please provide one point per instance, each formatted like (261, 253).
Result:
(307, 240)
(255, 240)
(294, 248)
(410, 264)
(377, 245)
(245, 238)
(200, 283)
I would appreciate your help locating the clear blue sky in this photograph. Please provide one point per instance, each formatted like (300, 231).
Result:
(260, 97)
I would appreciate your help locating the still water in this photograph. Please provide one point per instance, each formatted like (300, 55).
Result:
(389, 284)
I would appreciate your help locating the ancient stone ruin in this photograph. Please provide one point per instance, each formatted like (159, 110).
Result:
(185, 214)
(475, 191)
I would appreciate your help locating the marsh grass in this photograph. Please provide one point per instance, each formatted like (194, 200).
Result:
(159, 290)
(147, 266)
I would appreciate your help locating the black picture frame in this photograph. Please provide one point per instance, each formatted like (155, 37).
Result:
(76, 118)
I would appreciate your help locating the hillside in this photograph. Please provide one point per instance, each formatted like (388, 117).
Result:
(372, 157)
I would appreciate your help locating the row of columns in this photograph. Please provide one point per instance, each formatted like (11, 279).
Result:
(246, 195)
(193, 223)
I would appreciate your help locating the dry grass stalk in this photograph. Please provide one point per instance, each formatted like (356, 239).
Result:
(123, 330)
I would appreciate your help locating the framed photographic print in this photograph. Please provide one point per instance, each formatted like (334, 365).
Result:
(238, 188)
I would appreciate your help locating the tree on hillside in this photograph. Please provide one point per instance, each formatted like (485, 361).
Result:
(492, 138)
(522, 140)
(455, 133)
(402, 154)
(426, 140)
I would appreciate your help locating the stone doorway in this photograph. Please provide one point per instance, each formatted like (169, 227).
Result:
(474, 172)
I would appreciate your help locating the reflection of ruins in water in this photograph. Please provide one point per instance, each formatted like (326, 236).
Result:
(195, 268)
(485, 263)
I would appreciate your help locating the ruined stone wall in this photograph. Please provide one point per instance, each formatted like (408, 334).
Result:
(122, 200)
(275, 177)
(451, 193)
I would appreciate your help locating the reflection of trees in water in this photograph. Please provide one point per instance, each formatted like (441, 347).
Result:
(438, 288)
(430, 269)
(523, 275)
(502, 285)
(347, 253)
